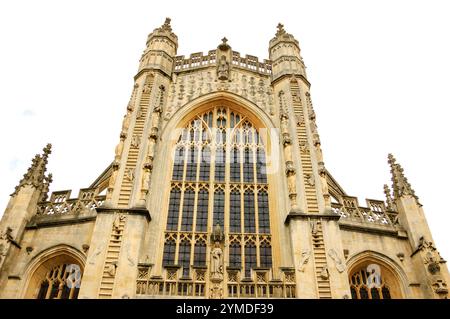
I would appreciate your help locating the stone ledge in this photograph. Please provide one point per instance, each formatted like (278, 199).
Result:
(301, 215)
(39, 221)
(131, 211)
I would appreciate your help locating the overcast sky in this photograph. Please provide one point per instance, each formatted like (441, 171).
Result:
(379, 72)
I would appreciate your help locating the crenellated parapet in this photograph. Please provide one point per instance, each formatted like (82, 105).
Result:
(60, 203)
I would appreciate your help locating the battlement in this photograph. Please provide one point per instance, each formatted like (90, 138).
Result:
(198, 60)
(60, 202)
(375, 213)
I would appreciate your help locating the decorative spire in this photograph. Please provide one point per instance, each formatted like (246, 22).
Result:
(390, 204)
(35, 174)
(400, 184)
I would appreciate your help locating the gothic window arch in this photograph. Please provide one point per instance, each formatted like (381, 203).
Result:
(219, 177)
(372, 279)
(57, 276)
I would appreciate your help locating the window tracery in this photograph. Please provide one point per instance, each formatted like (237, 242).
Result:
(219, 177)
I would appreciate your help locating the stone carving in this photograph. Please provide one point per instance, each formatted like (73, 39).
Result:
(223, 68)
(145, 182)
(119, 147)
(129, 174)
(324, 273)
(35, 175)
(401, 256)
(135, 141)
(337, 260)
(440, 287)
(216, 291)
(116, 224)
(432, 258)
(314, 228)
(112, 179)
(217, 235)
(390, 204)
(324, 184)
(111, 269)
(97, 252)
(216, 263)
(400, 185)
(304, 260)
(147, 88)
(309, 178)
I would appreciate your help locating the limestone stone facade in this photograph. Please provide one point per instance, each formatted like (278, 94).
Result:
(217, 189)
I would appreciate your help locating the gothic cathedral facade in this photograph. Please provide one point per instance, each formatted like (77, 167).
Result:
(217, 189)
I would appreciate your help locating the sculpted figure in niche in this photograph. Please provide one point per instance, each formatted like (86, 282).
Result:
(223, 69)
(216, 263)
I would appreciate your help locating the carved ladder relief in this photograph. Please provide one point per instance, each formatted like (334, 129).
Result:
(112, 257)
(130, 166)
(312, 207)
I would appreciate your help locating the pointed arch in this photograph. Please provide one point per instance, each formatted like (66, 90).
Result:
(392, 282)
(52, 264)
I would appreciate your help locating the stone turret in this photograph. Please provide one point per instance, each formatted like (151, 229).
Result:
(432, 271)
(284, 52)
(161, 49)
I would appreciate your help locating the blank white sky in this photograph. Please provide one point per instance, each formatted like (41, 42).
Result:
(379, 72)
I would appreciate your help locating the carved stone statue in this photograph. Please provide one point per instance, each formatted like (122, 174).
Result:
(305, 258)
(216, 263)
(135, 141)
(337, 261)
(119, 147)
(223, 68)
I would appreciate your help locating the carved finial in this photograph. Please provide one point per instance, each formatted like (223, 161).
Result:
(390, 204)
(280, 30)
(35, 174)
(400, 184)
(224, 46)
(166, 26)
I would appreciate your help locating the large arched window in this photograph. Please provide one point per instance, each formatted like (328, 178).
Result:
(219, 178)
(55, 275)
(373, 280)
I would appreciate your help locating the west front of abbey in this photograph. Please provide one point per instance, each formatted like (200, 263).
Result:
(218, 188)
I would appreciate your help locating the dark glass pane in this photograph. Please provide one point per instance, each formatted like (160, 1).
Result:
(55, 290)
(353, 291)
(174, 205)
(250, 259)
(43, 290)
(200, 254)
(220, 165)
(65, 292)
(235, 165)
(178, 164)
(375, 293)
(169, 253)
(235, 212)
(363, 293)
(184, 257)
(261, 166)
(386, 293)
(235, 255)
(202, 210)
(248, 166)
(191, 165)
(249, 212)
(204, 164)
(263, 213)
(188, 210)
(265, 253)
(219, 208)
